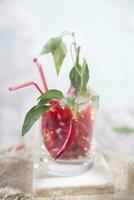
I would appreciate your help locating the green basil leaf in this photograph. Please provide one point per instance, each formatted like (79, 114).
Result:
(75, 73)
(58, 49)
(32, 116)
(51, 94)
(75, 77)
(51, 45)
(59, 55)
(43, 102)
(84, 75)
(79, 76)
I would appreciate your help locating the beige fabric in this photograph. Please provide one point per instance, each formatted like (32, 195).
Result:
(17, 174)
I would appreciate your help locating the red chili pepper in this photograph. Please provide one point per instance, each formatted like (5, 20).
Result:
(54, 101)
(70, 138)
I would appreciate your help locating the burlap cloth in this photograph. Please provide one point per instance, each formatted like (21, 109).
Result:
(16, 180)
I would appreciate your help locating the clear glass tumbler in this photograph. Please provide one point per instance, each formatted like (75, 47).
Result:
(69, 136)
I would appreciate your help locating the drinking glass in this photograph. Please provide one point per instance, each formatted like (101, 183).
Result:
(72, 134)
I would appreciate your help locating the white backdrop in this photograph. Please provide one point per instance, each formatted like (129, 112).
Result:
(105, 30)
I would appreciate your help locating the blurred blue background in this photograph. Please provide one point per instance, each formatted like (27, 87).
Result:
(104, 29)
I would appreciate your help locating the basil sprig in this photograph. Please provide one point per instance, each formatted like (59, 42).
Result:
(79, 76)
(43, 106)
(58, 49)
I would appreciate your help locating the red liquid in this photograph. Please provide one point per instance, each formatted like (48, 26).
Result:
(55, 128)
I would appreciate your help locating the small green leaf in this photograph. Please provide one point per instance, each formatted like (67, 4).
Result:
(32, 116)
(59, 55)
(75, 77)
(85, 75)
(124, 129)
(58, 49)
(51, 45)
(75, 73)
(79, 75)
(51, 94)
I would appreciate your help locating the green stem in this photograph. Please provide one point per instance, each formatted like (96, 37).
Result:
(77, 54)
(71, 52)
(72, 44)
(76, 49)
